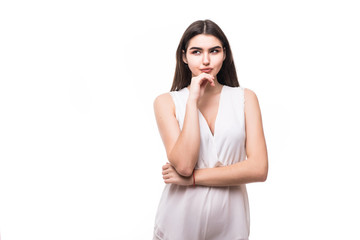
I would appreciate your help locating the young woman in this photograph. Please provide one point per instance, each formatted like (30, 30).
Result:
(213, 136)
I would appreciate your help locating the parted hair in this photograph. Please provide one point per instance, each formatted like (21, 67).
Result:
(227, 74)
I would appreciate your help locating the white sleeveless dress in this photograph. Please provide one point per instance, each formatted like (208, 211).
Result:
(209, 213)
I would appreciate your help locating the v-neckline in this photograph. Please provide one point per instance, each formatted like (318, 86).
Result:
(217, 113)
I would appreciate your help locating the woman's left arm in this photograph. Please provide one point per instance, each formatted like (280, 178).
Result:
(253, 169)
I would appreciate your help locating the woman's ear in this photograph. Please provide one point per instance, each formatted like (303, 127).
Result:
(224, 54)
(184, 57)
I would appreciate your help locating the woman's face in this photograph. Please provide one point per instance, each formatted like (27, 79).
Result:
(204, 53)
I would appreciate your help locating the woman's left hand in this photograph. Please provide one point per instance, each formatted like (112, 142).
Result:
(170, 175)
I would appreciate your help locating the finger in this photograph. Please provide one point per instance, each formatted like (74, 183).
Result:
(167, 176)
(166, 172)
(166, 166)
(203, 84)
(168, 180)
(206, 74)
(209, 76)
(207, 79)
(200, 77)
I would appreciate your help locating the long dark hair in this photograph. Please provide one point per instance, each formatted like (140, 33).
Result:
(227, 74)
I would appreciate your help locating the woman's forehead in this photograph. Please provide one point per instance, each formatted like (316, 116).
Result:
(204, 41)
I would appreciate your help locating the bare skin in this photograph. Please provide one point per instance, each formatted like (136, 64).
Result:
(204, 57)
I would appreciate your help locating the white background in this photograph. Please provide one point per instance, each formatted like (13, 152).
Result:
(80, 153)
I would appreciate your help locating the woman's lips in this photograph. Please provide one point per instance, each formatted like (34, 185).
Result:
(206, 70)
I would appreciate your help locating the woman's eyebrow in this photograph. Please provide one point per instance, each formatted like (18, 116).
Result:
(216, 47)
(198, 48)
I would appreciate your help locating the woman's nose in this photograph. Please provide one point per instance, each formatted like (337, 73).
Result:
(206, 59)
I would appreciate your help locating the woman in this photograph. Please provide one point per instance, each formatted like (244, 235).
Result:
(205, 123)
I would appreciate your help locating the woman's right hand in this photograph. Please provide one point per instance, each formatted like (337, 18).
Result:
(170, 175)
(198, 85)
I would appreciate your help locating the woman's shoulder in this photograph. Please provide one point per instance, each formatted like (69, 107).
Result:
(248, 94)
(169, 96)
(238, 88)
(246, 91)
(251, 101)
(162, 100)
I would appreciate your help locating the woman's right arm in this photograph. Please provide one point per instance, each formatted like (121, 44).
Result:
(182, 147)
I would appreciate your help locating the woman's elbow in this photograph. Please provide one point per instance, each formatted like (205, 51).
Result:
(181, 168)
(263, 176)
(260, 170)
(186, 171)
(263, 173)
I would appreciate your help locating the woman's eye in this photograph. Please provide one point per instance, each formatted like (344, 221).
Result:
(215, 51)
(196, 52)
